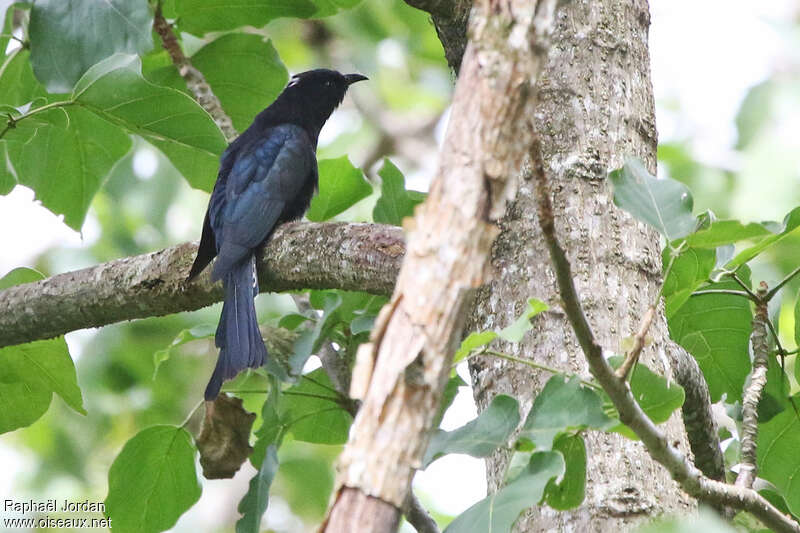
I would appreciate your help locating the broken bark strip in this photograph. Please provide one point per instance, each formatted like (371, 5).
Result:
(360, 257)
(449, 242)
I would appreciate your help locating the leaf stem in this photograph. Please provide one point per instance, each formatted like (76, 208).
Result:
(724, 291)
(12, 121)
(532, 364)
(191, 413)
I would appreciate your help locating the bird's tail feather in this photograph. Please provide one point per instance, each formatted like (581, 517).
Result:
(238, 337)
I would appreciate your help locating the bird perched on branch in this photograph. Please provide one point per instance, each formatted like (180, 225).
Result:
(266, 176)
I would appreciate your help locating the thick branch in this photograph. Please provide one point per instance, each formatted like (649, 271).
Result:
(752, 392)
(363, 257)
(194, 79)
(450, 18)
(449, 244)
(630, 413)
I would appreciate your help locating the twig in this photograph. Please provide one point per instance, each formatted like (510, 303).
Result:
(680, 468)
(418, 516)
(533, 364)
(195, 80)
(735, 277)
(780, 284)
(638, 343)
(752, 393)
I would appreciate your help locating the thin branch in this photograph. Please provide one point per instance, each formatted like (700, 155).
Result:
(682, 470)
(418, 516)
(783, 282)
(638, 343)
(735, 277)
(195, 80)
(532, 364)
(752, 393)
(363, 257)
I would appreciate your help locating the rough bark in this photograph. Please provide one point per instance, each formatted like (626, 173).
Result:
(595, 107)
(363, 257)
(450, 17)
(401, 373)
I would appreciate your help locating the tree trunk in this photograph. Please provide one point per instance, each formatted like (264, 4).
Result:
(595, 108)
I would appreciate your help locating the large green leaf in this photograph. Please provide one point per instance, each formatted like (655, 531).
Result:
(689, 270)
(480, 437)
(778, 460)
(255, 502)
(116, 91)
(244, 72)
(201, 16)
(715, 329)
(395, 202)
(563, 405)
(64, 150)
(312, 413)
(69, 37)
(664, 204)
(153, 480)
(340, 186)
(66, 160)
(724, 232)
(30, 373)
(498, 512)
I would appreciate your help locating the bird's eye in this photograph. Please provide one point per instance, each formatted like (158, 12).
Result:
(327, 83)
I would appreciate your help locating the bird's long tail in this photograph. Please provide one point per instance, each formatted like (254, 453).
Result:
(238, 337)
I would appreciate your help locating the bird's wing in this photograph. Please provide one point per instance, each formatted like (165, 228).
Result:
(266, 176)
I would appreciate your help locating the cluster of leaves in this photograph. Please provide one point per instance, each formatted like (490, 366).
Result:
(708, 301)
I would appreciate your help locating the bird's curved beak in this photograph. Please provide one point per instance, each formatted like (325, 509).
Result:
(352, 78)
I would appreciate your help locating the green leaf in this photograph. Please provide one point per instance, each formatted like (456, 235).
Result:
(500, 510)
(570, 491)
(69, 37)
(18, 85)
(563, 405)
(657, 398)
(64, 156)
(309, 341)
(255, 502)
(790, 223)
(326, 8)
(153, 480)
(318, 420)
(480, 437)
(689, 270)
(450, 391)
(797, 321)
(664, 204)
(512, 333)
(203, 331)
(272, 425)
(724, 232)
(170, 120)
(244, 72)
(778, 460)
(341, 185)
(715, 329)
(517, 330)
(395, 202)
(474, 340)
(202, 16)
(30, 373)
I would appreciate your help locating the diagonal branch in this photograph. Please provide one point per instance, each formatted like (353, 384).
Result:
(364, 257)
(630, 413)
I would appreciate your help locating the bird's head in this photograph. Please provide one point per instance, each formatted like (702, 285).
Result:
(319, 91)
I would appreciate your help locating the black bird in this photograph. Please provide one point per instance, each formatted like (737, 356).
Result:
(266, 176)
